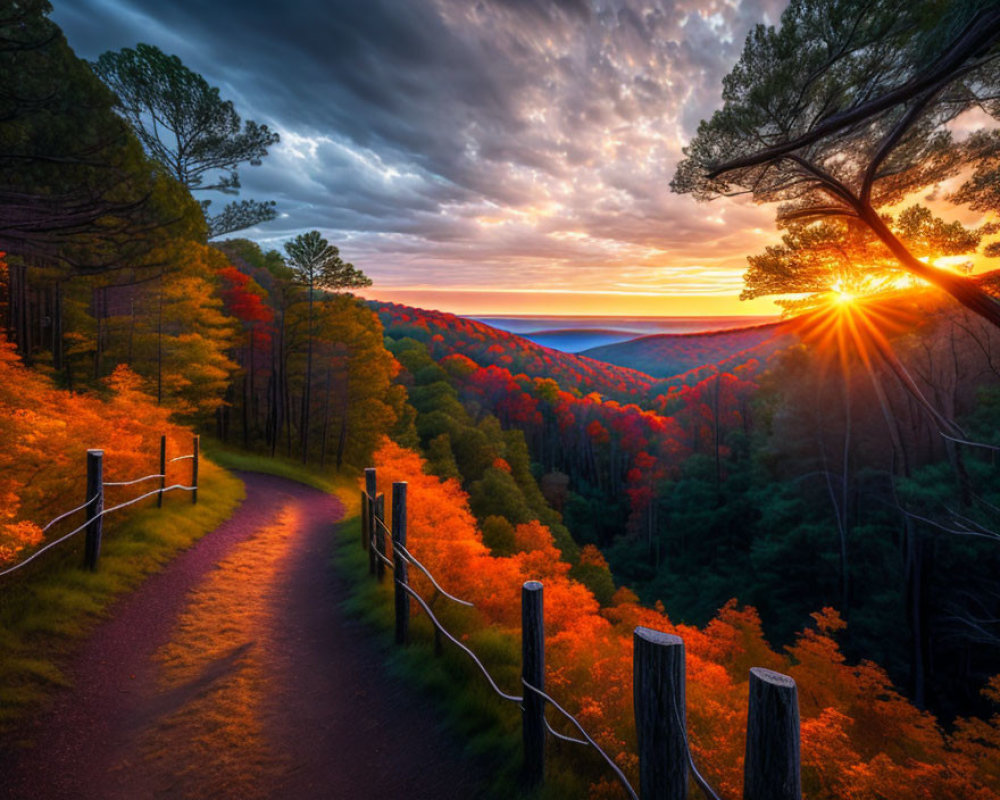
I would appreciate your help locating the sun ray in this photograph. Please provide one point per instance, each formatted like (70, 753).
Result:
(849, 322)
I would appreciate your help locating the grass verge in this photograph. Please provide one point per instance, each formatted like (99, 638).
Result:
(232, 457)
(49, 606)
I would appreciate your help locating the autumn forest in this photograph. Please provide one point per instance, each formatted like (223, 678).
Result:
(817, 494)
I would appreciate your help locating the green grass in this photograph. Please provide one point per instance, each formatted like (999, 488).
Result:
(342, 485)
(233, 457)
(50, 605)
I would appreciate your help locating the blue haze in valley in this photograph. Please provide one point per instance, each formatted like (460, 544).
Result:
(575, 334)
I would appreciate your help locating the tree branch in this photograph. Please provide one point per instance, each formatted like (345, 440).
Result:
(981, 32)
(829, 182)
(816, 211)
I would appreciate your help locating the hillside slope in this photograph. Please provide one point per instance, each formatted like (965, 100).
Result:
(447, 334)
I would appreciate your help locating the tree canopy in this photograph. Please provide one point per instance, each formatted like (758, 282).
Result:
(75, 186)
(844, 111)
(186, 126)
(317, 264)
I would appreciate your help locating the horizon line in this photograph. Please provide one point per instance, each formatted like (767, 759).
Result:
(494, 315)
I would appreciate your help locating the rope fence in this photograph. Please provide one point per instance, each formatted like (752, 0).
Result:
(133, 482)
(37, 553)
(95, 505)
(666, 764)
(400, 550)
(562, 737)
(587, 740)
(135, 500)
(69, 513)
(444, 631)
(410, 558)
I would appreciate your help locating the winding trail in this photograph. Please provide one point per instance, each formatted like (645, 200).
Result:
(235, 672)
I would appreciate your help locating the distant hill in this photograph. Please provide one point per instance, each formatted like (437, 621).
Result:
(447, 334)
(669, 354)
(575, 340)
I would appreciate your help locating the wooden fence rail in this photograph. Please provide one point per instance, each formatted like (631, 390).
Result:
(666, 768)
(95, 509)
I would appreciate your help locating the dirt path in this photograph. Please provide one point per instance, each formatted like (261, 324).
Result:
(235, 673)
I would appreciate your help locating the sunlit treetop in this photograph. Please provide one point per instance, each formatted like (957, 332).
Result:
(844, 110)
(843, 257)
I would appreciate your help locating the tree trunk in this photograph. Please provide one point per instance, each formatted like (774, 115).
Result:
(276, 412)
(253, 393)
(718, 461)
(131, 328)
(845, 584)
(271, 424)
(99, 336)
(286, 405)
(245, 411)
(342, 438)
(18, 312)
(159, 341)
(964, 290)
(307, 391)
(914, 568)
(57, 338)
(326, 421)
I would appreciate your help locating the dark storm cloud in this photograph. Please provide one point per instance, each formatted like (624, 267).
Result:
(473, 141)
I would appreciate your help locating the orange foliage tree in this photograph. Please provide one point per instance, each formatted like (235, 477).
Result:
(44, 435)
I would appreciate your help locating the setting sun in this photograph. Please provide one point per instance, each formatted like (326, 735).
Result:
(841, 294)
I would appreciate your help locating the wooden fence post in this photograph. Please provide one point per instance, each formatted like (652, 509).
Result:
(369, 532)
(772, 769)
(163, 470)
(660, 714)
(364, 520)
(438, 638)
(95, 489)
(400, 567)
(379, 535)
(194, 468)
(533, 672)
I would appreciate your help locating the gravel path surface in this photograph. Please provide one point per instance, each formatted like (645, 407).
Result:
(235, 673)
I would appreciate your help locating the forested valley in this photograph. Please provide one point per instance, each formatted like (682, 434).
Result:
(820, 496)
(761, 492)
(763, 478)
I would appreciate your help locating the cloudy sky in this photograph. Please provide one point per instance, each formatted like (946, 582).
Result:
(478, 155)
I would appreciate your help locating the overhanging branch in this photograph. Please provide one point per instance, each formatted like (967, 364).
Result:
(980, 33)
